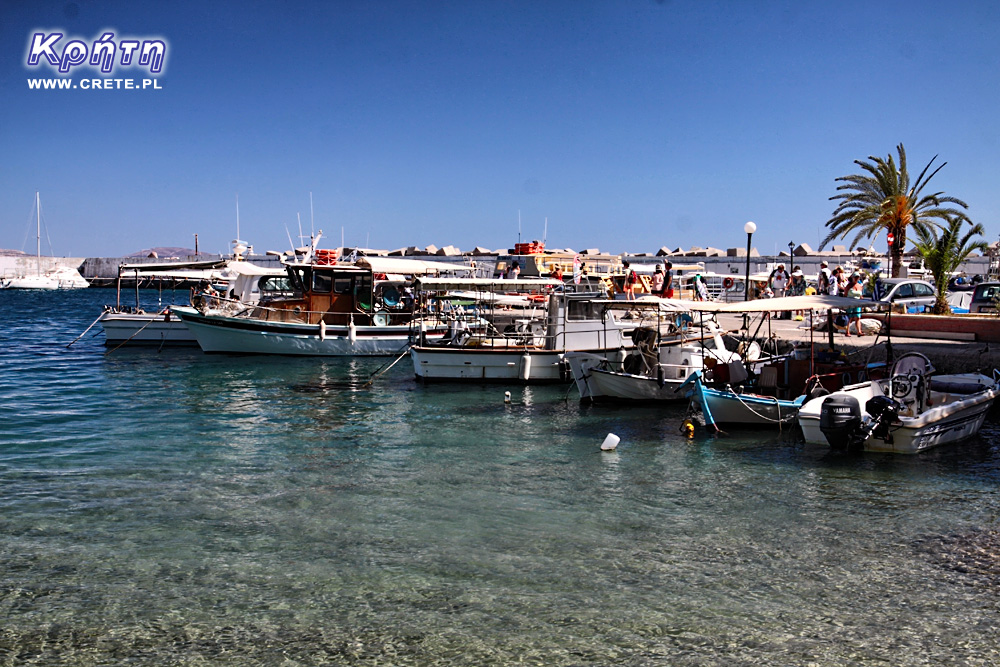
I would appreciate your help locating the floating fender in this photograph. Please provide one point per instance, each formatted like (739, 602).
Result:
(565, 372)
(525, 366)
(610, 442)
(352, 331)
(322, 329)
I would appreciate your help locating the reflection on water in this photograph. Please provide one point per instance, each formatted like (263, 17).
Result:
(178, 508)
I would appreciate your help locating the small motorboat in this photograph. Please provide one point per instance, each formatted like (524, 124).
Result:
(908, 412)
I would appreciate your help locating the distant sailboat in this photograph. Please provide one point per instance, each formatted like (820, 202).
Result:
(58, 277)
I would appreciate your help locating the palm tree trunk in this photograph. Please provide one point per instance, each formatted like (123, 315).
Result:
(941, 306)
(896, 252)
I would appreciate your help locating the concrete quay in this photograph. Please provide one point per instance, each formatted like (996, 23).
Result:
(948, 356)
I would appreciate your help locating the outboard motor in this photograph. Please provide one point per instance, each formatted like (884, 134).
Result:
(839, 419)
(883, 411)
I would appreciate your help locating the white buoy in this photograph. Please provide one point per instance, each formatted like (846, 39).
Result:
(610, 443)
(352, 331)
(322, 329)
(506, 397)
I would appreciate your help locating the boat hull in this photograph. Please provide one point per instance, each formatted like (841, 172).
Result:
(149, 329)
(598, 385)
(43, 283)
(235, 335)
(748, 409)
(511, 365)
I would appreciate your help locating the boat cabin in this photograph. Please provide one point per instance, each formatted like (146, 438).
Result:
(337, 294)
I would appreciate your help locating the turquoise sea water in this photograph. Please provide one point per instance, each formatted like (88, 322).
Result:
(178, 508)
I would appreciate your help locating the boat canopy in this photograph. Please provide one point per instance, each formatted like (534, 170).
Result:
(162, 267)
(430, 284)
(409, 267)
(248, 269)
(815, 302)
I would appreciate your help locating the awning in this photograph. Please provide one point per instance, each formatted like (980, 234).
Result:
(409, 267)
(815, 302)
(430, 284)
(162, 267)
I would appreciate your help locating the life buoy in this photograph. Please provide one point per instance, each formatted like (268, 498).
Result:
(728, 282)
(326, 257)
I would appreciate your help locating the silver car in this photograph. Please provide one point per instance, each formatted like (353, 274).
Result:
(985, 298)
(909, 293)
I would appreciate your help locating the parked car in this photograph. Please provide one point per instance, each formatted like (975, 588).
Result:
(911, 294)
(985, 298)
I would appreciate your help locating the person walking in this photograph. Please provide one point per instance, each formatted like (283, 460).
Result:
(668, 281)
(797, 287)
(778, 281)
(854, 291)
(823, 279)
(833, 289)
(630, 280)
(657, 281)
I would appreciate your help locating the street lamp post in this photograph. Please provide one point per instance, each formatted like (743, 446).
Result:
(749, 228)
(791, 251)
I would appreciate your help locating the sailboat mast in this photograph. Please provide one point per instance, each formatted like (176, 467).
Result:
(38, 233)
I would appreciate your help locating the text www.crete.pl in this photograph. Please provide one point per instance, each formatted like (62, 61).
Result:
(94, 84)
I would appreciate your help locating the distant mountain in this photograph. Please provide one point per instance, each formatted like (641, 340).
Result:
(166, 252)
(11, 253)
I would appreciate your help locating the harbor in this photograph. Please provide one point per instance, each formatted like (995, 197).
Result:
(169, 506)
(491, 334)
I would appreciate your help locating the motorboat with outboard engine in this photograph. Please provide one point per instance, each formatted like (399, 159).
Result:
(910, 411)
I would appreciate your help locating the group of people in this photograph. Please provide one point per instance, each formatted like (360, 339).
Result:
(660, 284)
(834, 282)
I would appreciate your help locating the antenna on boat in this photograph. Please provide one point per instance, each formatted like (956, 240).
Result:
(301, 239)
(312, 220)
(239, 247)
(518, 225)
(292, 245)
(545, 230)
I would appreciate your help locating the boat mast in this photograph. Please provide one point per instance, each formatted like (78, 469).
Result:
(38, 234)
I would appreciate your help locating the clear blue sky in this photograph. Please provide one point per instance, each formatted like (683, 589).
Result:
(630, 125)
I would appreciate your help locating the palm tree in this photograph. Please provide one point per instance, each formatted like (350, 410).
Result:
(885, 200)
(943, 253)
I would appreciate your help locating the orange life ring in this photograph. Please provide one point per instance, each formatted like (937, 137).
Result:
(728, 282)
(326, 257)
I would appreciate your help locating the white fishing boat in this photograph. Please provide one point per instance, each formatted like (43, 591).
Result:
(55, 278)
(239, 280)
(669, 346)
(908, 412)
(526, 349)
(333, 308)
